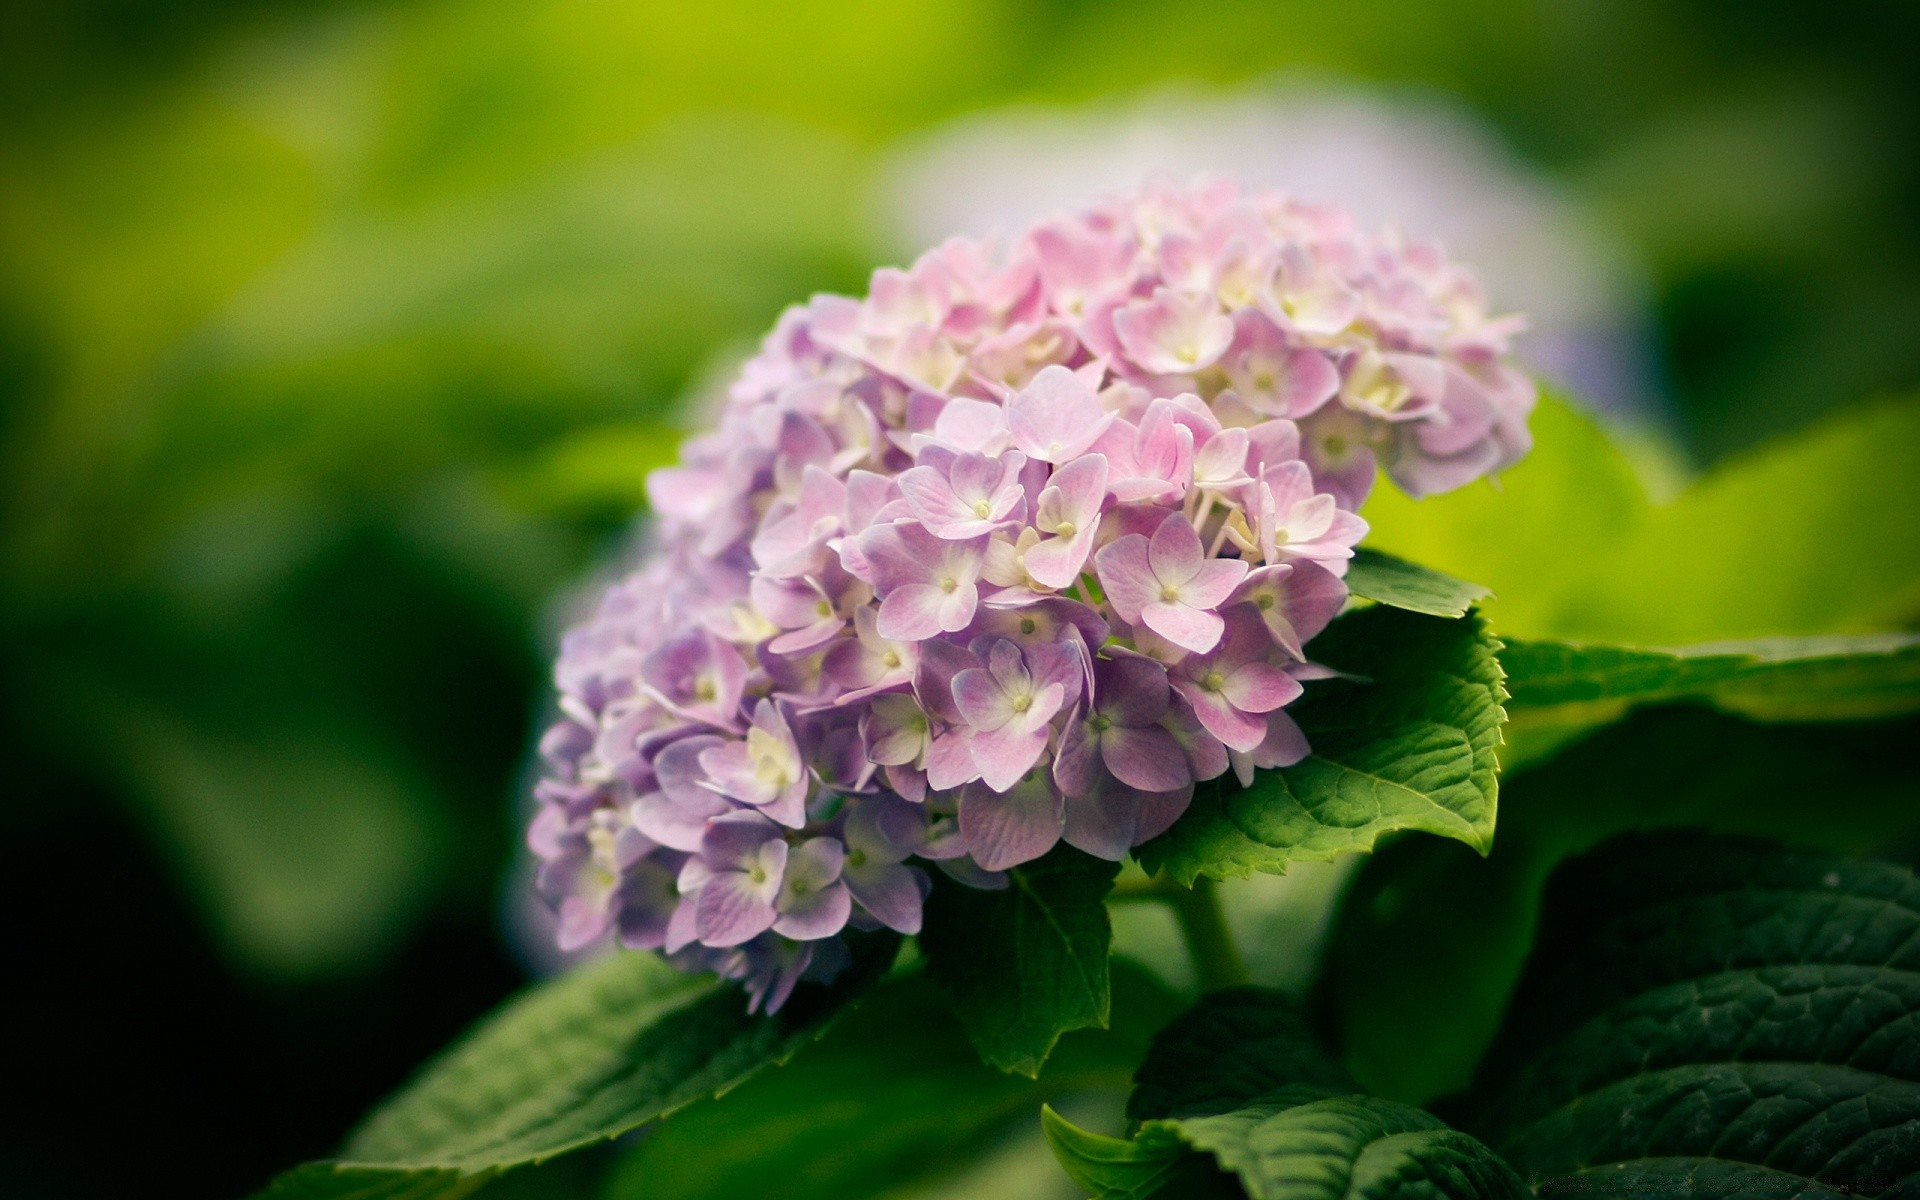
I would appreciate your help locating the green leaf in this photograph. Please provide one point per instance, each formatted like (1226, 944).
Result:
(1531, 534)
(1808, 535)
(1385, 579)
(579, 1060)
(1110, 1168)
(1716, 999)
(1241, 1077)
(1562, 689)
(1407, 743)
(1027, 963)
(1297, 1143)
(1233, 1045)
(891, 1097)
(1430, 939)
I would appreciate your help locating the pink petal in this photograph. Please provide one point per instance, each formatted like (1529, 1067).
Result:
(1101, 824)
(1184, 626)
(732, 909)
(1126, 574)
(1158, 812)
(1006, 754)
(956, 608)
(1212, 582)
(892, 893)
(1076, 764)
(950, 761)
(1235, 729)
(1057, 562)
(1005, 830)
(1133, 691)
(1147, 758)
(1056, 416)
(981, 698)
(1260, 688)
(1176, 552)
(816, 915)
(913, 613)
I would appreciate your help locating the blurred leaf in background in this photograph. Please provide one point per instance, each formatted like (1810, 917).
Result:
(335, 337)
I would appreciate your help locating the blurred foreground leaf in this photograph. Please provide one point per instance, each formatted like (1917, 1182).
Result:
(584, 1058)
(1814, 533)
(892, 1097)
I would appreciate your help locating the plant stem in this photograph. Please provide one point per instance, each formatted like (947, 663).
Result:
(1216, 960)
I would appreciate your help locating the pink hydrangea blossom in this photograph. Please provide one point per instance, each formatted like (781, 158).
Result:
(1013, 551)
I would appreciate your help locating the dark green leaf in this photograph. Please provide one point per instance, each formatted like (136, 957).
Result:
(1239, 1084)
(1027, 963)
(1717, 999)
(1430, 939)
(1297, 1143)
(581, 1059)
(892, 1096)
(1408, 743)
(1561, 689)
(1234, 1045)
(1385, 579)
(1683, 1179)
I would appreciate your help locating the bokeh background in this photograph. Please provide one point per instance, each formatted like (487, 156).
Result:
(336, 337)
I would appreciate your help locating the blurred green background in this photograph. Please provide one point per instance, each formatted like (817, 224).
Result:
(336, 339)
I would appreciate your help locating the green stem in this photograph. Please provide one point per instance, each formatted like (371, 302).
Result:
(1216, 960)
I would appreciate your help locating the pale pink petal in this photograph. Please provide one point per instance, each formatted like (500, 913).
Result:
(950, 761)
(913, 613)
(1006, 829)
(1189, 628)
(981, 698)
(1175, 553)
(1126, 574)
(1236, 729)
(1259, 688)
(1212, 582)
(1006, 754)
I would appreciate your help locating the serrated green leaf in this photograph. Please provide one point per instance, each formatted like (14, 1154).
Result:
(1407, 743)
(578, 1060)
(1562, 689)
(1297, 1143)
(893, 1096)
(1239, 1084)
(1385, 579)
(1027, 963)
(1430, 939)
(1235, 1044)
(1717, 999)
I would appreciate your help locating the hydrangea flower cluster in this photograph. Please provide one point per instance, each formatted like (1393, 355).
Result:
(1011, 552)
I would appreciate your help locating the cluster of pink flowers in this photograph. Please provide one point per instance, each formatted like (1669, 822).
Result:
(1011, 552)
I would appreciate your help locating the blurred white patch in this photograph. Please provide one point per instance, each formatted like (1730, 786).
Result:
(1410, 160)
